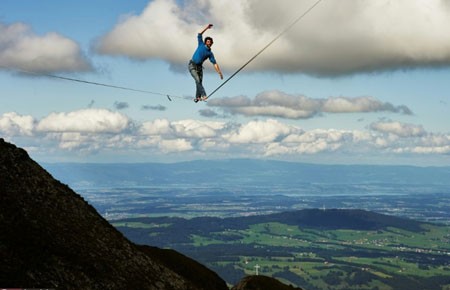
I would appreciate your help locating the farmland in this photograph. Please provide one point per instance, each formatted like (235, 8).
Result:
(308, 256)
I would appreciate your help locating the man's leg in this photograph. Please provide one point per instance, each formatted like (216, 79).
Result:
(200, 87)
(197, 74)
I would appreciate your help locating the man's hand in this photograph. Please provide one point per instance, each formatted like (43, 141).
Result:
(206, 28)
(217, 68)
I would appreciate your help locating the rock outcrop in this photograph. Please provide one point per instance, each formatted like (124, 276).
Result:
(50, 237)
(262, 283)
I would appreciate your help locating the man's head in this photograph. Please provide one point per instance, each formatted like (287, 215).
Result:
(208, 41)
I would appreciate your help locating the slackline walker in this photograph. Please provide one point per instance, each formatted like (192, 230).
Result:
(202, 53)
(169, 97)
(265, 47)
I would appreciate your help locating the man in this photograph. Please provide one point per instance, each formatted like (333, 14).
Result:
(196, 63)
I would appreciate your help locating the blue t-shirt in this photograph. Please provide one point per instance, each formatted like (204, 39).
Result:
(202, 52)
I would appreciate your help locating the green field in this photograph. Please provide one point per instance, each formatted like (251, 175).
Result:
(395, 242)
(387, 258)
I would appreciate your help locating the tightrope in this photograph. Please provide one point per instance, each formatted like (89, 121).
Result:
(265, 47)
(168, 96)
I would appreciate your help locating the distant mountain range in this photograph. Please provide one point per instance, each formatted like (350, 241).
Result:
(242, 172)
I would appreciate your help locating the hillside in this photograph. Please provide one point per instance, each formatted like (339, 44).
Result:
(262, 283)
(52, 238)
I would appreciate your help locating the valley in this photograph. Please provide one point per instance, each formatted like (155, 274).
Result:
(317, 255)
(313, 226)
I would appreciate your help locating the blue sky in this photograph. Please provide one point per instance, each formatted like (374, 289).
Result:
(354, 82)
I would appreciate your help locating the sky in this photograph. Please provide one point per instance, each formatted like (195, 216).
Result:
(351, 82)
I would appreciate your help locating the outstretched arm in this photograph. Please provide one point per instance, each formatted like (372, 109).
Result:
(216, 66)
(206, 28)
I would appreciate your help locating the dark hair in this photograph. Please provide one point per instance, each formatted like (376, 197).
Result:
(209, 39)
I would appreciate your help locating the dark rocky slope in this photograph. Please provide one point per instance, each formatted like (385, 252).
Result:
(51, 238)
(262, 283)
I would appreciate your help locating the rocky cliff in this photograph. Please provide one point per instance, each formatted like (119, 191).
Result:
(50, 237)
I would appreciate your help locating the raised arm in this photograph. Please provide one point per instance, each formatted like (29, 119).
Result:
(206, 28)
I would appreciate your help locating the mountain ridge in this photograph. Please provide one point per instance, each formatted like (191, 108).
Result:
(52, 238)
(260, 282)
(244, 172)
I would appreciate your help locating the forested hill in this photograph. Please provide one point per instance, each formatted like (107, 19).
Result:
(180, 229)
(330, 219)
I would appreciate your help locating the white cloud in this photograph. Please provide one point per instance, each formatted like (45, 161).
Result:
(84, 121)
(335, 38)
(399, 129)
(156, 127)
(72, 141)
(88, 143)
(159, 32)
(21, 49)
(184, 128)
(360, 104)
(13, 124)
(429, 150)
(93, 132)
(313, 142)
(176, 145)
(282, 105)
(318, 146)
(259, 132)
(197, 129)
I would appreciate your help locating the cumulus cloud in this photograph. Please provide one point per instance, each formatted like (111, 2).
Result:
(282, 105)
(175, 145)
(13, 124)
(259, 132)
(156, 127)
(197, 129)
(96, 131)
(313, 142)
(84, 121)
(399, 129)
(21, 49)
(76, 141)
(335, 38)
(156, 33)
